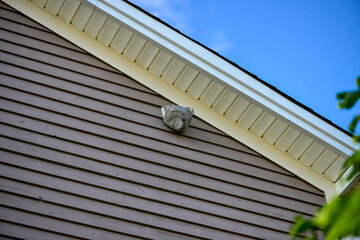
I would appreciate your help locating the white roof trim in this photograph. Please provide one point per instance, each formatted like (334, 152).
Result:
(226, 72)
(343, 185)
(215, 67)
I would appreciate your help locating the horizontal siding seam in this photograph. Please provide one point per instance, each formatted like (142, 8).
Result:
(96, 99)
(189, 184)
(89, 109)
(197, 186)
(7, 8)
(56, 55)
(141, 197)
(65, 220)
(146, 185)
(159, 140)
(63, 57)
(137, 209)
(42, 29)
(94, 77)
(112, 152)
(131, 221)
(8, 236)
(176, 156)
(23, 24)
(78, 94)
(37, 228)
(116, 105)
(67, 80)
(35, 38)
(123, 107)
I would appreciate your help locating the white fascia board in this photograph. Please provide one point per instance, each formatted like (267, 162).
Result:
(343, 185)
(227, 73)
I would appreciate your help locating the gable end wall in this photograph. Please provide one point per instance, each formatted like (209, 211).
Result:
(84, 154)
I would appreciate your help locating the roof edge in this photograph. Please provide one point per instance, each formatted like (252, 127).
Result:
(244, 70)
(228, 73)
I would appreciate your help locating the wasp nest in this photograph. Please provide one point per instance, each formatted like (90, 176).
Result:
(176, 117)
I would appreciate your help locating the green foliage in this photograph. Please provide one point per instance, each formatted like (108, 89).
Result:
(341, 217)
(354, 123)
(303, 225)
(338, 219)
(354, 160)
(348, 99)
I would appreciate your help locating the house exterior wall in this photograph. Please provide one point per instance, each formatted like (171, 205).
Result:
(84, 154)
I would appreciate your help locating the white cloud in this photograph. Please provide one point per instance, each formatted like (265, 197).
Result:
(179, 14)
(173, 12)
(219, 42)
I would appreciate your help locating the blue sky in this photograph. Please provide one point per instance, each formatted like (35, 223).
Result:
(308, 49)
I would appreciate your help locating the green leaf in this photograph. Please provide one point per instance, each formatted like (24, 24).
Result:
(353, 123)
(358, 81)
(346, 220)
(341, 95)
(349, 99)
(301, 226)
(354, 161)
(356, 138)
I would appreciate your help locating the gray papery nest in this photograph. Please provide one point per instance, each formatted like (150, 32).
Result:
(176, 117)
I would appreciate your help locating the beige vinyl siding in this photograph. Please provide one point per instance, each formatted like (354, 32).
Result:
(84, 155)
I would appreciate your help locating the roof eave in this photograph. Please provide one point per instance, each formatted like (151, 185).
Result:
(225, 72)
